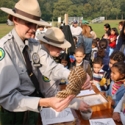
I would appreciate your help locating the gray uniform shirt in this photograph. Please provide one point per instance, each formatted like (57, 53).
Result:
(15, 84)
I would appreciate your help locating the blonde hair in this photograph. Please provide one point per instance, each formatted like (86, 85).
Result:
(86, 31)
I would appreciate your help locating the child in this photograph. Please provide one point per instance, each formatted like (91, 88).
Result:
(103, 51)
(98, 72)
(64, 60)
(117, 89)
(79, 60)
(113, 37)
(106, 35)
(116, 56)
(94, 49)
(119, 111)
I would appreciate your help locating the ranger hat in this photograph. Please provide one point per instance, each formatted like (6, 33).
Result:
(55, 37)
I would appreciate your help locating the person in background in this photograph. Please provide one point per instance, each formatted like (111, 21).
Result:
(80, 61)
(117, 89)
(94, 49)
(97, 39)
(103, 51)
(98, 72)
(116, 56)
(107, 28)
(64, 60)
(106, 35)
(121, 44)
(85, 40)
(75, 29)
(112, 40)
(120, 25)
(113, 37)
(119, 111)
(94, 36)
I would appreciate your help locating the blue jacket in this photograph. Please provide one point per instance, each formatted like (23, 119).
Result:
(119, 94)
(86, 43)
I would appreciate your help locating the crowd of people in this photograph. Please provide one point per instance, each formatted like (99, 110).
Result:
(36, 58)
(102, 59)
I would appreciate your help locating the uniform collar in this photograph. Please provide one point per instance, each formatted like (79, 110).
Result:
(18, 40)
(44, 48)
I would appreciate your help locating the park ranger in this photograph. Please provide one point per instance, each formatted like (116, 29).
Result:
(19, 83)
(16, 87)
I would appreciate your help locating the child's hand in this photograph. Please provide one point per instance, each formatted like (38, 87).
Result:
(116, 116)
(102, 82)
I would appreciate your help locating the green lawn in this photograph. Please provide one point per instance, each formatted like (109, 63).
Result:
(4, 29)
(97, 27)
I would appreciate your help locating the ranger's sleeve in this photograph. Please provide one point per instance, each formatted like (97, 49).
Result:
(50, 68)
(119, 106)
(10, 98)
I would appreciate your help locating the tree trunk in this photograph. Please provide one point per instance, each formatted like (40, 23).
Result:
(122, 16)
(116, 17)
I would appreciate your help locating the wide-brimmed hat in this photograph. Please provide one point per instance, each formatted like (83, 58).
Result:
(27, 10)
(55, 37)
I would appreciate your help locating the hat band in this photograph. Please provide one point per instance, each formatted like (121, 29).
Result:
(26, 14)
(54, 41)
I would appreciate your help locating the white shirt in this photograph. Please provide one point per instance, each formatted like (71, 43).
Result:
(76, 31)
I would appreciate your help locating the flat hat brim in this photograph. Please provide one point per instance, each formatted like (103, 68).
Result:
(66, 44)
(11, 12)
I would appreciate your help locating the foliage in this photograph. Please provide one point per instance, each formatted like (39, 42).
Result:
(89, 9)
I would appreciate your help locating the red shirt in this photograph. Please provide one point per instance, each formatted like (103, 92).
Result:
(112, 39)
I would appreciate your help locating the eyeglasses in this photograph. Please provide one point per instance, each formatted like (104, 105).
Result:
(28, 24)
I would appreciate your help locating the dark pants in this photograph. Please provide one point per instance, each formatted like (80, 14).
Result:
(18, 118)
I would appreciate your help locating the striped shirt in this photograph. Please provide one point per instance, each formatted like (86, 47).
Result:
(98, 76)
(116, 86)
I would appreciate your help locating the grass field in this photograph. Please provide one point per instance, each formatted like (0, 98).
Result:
(97, 27)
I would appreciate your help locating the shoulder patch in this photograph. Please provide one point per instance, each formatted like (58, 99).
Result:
(45, 79)
(2, 54)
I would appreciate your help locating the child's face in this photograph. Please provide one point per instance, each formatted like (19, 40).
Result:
(111, 62)
(97, 67)
(64, 62)
(115, 75)
(112, 32)
(120, 27)
(79, 56)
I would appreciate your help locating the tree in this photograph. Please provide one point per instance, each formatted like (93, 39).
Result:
(122, 8)
(73, 11)
(105, 9)
(61, 7)
(115, 10)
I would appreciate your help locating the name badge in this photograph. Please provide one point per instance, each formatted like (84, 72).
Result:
(36, 59)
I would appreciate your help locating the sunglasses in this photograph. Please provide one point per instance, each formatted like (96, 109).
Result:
(28, 24)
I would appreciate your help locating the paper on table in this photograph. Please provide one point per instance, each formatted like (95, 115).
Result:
(50, 116)
(86, 92)
(105, 121)
(94, 99)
